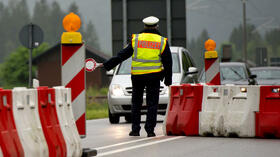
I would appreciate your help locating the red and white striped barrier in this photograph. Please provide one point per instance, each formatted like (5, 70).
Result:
(227, 110)
(212, 65)
(73, 76)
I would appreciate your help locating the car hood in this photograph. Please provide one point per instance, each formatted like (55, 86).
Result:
(125, 80)
(269, 82)
(239, 82)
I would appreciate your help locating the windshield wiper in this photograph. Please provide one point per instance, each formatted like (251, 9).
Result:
(237, 73)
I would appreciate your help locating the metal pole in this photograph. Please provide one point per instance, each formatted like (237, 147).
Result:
(30, 54)
(124, 22)
(168, 21)
(244, 32)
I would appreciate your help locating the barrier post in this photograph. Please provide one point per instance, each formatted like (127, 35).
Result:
(72, 68)
(212, 65)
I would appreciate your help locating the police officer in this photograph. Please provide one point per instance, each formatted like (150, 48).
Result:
(151, 62)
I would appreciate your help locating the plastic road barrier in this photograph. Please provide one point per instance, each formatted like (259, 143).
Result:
(190, 105)
(173, 109)
(214, 108)
(9, 139)
(49, 121)
(25, 110)
(67, 121)
(211, 102)
(183, 110)
(268, 118)
(239, 119)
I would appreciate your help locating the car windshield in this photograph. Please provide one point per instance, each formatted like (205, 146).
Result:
(125, 67)
(234, 73)
(269, 74)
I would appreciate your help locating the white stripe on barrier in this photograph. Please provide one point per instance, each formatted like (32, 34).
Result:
(212, 98)
(212, 71)
(240, 115)
(67, 122)
(73, 66)
(1, 153)
(29, 128)
(79, 109)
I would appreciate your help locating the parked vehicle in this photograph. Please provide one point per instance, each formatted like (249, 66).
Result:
(267, 75)
(120, 89)
(233, 73)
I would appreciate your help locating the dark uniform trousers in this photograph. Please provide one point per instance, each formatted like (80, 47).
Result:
(152, 84)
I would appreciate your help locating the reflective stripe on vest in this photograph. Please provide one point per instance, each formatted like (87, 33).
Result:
(146, 57)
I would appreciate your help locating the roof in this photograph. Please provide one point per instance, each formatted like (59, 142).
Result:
(232, 64)
(90, 52)
(265, 68)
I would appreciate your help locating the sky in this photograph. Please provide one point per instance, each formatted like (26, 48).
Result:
(218, 17)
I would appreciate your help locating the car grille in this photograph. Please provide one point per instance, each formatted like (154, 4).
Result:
(128, 90)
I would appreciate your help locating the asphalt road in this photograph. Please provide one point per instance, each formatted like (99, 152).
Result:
(113, 141)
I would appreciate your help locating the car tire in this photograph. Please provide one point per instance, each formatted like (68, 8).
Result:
(128, 118)
(113, 118)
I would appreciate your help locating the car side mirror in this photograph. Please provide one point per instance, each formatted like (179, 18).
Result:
(192, 70)
(110, 73)
(253, 76)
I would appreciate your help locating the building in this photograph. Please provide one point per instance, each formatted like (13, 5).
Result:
(127, 18)
(49, 68)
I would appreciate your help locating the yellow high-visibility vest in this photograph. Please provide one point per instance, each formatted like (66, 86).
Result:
(146, 57)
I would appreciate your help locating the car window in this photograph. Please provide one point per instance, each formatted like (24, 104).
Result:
(186, 61)
(125, 67)
(175, 63)
(267, 73)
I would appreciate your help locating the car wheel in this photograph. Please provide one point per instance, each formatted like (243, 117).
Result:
(128, 118)
(114, 119)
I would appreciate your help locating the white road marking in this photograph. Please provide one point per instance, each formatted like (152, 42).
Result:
(123, 143)
(139, 146)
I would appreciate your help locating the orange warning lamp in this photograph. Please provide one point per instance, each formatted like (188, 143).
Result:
(210, 45)
(71, 24)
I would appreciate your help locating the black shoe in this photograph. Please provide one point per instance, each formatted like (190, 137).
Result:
(134, 133)
(151, 134)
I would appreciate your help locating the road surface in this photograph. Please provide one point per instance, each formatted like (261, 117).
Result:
(113, 141)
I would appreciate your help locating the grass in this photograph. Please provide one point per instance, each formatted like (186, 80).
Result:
(97, 105)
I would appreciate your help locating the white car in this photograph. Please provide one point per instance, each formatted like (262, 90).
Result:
(120, 89)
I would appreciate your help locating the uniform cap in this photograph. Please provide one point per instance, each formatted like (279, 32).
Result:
(150, 21)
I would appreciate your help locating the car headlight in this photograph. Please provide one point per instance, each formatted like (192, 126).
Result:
(116, 90)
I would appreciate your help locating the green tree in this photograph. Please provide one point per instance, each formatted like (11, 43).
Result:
(254, 40)
(74, 8)
(12, 18)
(196, 48)
(14, 71)
(273, 39)
(55, 19)
(90, 36)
